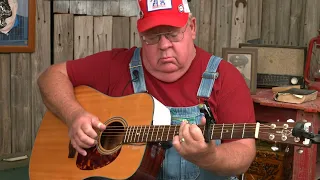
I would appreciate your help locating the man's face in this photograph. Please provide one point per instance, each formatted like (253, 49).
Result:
(166, 57)
(241, 68)
(5, 12)
(9, 21)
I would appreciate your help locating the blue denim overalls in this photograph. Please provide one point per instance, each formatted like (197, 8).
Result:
(174, 167)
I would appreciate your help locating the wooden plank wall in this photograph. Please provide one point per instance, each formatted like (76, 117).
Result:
(85, 27)
(21, 109)
(221, 23)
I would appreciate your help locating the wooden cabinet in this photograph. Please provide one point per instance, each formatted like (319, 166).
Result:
(271, 165)
(268, 110)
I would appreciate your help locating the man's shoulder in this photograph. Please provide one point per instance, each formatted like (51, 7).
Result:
(114, 54)
(205, 56)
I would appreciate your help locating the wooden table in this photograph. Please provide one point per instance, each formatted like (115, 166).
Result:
(268, 110)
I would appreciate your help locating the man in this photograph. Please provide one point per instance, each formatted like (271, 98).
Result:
(14, 29)
(177, 73)
(240, 61)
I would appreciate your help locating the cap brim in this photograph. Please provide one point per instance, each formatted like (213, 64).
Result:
(149, 22)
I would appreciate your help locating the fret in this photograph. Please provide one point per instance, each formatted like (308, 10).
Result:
(133, 134)
(244, 127)
(162, 133)
(129, 134)
(153, 127)
(125, 135)
(212, 131)
(147, 134)
(174, 133)
(168, 133)
(157, 134)
(232, 130)
(144, 129)
(222, 131)
(139, 134)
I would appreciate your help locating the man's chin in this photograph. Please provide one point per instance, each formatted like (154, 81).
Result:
(169, 68)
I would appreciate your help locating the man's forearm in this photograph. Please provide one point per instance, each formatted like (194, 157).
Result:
(232, 158)
(58, 95)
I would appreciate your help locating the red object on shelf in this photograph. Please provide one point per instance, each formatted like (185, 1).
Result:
(314, 42)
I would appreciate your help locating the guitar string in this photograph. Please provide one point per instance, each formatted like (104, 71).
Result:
(178, 126)
(161, 132)
(170, 134)
(200, 126)
(127, 134)
(177, 129)
(236, 125)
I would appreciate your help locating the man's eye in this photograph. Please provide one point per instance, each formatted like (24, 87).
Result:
(174, 34)
(152, 37)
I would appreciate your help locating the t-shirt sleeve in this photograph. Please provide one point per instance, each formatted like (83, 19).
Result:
(234, 105)
(93, 70)
(90, 70)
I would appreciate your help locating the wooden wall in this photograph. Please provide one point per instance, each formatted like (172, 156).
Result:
(85, 27)
(221, 23)
(21, 109)
(20, 106)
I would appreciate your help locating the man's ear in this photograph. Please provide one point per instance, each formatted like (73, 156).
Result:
(193, 26)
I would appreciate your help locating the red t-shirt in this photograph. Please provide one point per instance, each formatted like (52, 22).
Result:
(108, 72)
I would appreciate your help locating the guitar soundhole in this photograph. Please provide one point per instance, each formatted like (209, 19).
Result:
(108, 148)
(112, 136)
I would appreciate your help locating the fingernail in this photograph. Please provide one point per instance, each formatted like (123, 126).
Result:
(100, 124)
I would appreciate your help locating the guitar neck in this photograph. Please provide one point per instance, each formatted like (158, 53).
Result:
(161, 133)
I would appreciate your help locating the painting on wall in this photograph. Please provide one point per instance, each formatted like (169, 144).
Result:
(17, 25)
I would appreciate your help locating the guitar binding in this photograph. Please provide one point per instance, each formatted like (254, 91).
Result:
(114, 135)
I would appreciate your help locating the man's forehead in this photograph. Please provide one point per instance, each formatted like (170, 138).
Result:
(159, 29)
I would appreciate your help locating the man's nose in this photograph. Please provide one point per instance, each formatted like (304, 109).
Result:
(164, 43)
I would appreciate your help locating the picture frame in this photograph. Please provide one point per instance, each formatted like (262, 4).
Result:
(17, 26)
(245, 60)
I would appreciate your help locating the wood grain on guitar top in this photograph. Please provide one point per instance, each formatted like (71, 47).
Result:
(49, 159)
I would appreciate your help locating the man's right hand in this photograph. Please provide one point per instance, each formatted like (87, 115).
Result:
(81, 131)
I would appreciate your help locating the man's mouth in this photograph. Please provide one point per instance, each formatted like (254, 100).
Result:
(167, 60)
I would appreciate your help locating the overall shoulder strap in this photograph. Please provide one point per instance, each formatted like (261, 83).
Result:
(136, 71)
(209, 77)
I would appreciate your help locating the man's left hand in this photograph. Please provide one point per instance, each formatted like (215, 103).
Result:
(191, 145)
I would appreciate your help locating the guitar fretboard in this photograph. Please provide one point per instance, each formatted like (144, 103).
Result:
(160, 133)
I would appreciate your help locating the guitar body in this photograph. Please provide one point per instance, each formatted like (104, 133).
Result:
(54, 158)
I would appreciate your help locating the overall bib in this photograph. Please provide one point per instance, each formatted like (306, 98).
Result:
(174, 167)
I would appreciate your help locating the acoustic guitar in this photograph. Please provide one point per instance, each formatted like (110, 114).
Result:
(132, 146)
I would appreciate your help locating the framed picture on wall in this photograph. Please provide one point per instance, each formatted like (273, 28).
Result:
(17, 25)
(245, 60)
